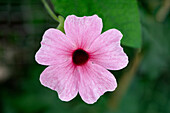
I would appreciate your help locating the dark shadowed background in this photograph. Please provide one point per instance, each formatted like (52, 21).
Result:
(143, 86)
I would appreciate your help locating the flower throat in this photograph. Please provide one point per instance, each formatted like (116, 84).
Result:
(80, 57)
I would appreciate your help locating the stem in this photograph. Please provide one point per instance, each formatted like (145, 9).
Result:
(51, 13)
(59, 19)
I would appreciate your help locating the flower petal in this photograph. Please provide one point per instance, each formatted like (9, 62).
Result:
(61, 78)
(107, 52)
(83, 30)
(55, 48)
(94, 82)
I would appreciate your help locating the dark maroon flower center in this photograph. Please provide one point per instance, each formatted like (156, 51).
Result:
(80, 57)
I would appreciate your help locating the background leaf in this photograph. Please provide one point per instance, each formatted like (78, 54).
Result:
(119, 14)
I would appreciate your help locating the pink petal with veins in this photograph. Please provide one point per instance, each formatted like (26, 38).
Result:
(107, 52)
(94, 82)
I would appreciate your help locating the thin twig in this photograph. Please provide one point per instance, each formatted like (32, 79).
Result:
(163, 11)
(124, 82)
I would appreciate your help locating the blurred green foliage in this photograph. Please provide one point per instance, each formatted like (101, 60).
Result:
(22, 24)
(119, 14)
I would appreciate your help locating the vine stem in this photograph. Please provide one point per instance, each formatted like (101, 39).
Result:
(51, 13)
(59, 19)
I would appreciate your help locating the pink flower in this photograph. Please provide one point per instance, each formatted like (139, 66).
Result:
(78, 60)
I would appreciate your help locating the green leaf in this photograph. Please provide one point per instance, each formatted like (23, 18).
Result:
(120, 14)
